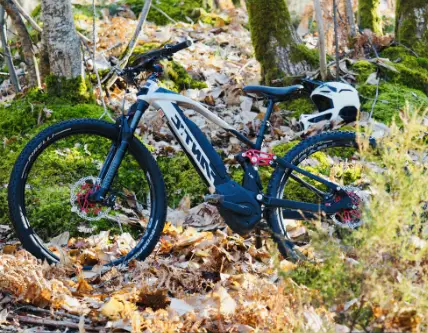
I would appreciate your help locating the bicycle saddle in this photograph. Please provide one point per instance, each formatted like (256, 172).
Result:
(275, 93)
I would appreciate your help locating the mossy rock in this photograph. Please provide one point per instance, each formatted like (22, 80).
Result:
(408, 84)
(363, 68)
(413, 71)
(392, 98)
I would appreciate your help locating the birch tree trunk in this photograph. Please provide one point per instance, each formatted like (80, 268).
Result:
(412, 24)
(27, 44)
(277, 45)
(351, 18)
(369, 15)
(63, 43)
(321, 39)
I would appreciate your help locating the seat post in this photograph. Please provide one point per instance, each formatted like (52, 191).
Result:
(261, 134)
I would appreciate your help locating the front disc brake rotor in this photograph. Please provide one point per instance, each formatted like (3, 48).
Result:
(79, 199)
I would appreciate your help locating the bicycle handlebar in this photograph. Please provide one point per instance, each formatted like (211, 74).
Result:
(147, 60)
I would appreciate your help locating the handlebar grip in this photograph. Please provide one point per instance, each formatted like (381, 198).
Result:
(180, 46)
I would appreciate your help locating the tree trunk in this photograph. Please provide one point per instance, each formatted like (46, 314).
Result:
(27, 44)
(369, 15)
(321, 39)
(351, 18)
(63, 43)
(276, 43)
(412, 24)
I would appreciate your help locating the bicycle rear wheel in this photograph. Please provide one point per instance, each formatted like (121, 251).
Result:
(48, 197)
(333, 156)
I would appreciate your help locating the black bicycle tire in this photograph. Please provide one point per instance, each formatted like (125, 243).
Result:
(297, 154)
(16, 187)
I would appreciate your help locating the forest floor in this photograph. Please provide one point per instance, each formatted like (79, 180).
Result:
(197, 279)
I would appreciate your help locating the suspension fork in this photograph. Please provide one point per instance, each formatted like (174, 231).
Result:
(118, 151)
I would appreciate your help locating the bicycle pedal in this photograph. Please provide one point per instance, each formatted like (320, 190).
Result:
(214, 198)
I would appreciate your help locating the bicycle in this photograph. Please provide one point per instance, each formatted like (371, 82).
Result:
(81, 175)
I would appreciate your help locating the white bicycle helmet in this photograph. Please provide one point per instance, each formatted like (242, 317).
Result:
(333, 100)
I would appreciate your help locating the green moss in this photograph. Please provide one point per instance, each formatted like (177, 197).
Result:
(392, 99)
(74, 90)
(408, 84)
(176, 9)
(23, 119)
(180, 78)
(301, 52)
(299, 106)
(211, 18)
(181, 179)
(409, 31)
(369, 14)
(284, 148)
(176, 77)
(36, 11)
(84, 12)
(413, 71)
(363, 68)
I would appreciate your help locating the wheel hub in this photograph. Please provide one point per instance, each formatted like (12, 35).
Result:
(80, 203)
(350, 218)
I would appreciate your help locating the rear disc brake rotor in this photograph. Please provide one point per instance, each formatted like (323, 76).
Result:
(351, 218)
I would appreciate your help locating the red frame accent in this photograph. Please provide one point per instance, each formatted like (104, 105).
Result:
(258, 157)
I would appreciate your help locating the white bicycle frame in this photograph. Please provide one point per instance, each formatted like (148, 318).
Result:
(167, 102)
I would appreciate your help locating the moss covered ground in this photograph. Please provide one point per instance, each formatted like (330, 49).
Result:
(407, 84)
(23, 119)
(176, 9)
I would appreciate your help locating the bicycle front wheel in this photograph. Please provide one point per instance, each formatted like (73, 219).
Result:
(49, 188)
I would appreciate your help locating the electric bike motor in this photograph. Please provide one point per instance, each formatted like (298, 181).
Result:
(335, 101)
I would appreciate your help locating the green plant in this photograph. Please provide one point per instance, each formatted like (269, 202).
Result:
(376, 276)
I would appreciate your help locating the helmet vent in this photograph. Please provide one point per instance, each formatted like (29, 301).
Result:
(323, 103)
